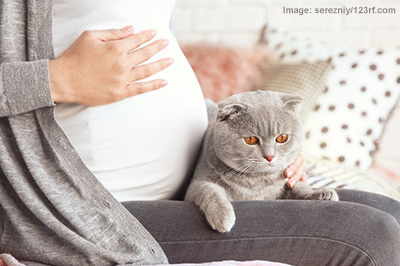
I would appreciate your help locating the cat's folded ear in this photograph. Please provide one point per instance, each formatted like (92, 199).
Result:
(229, 111)
(291, 102)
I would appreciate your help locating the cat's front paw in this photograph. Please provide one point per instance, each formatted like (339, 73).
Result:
(221, 217)
(325, 194)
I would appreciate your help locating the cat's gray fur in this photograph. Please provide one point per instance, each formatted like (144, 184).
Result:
(231, 170)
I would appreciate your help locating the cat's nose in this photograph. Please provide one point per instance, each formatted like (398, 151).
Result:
(269, 158)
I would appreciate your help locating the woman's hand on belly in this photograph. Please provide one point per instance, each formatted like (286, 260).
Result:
(98, 68)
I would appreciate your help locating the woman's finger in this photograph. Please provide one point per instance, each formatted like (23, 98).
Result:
(143, 87)
(294, 167)
(144, 71)
(2, 263)
(296, 177)
(136, 40)
(111, 34)
(143, 54)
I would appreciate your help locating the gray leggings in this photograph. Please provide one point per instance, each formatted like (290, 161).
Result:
(361, 229)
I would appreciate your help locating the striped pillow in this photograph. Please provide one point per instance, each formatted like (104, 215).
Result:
(323, 173)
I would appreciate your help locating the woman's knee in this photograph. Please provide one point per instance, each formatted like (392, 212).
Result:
(374, 233)
(382, 239)
(373, 200)
(352, 231)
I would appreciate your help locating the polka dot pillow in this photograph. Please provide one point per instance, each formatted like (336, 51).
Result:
(284, 47)
(362, 89)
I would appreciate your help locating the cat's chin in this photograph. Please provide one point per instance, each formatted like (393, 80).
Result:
(270, 170)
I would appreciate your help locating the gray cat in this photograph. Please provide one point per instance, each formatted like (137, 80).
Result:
(255, 137)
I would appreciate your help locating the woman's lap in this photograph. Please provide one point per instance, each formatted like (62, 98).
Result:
(295, 232)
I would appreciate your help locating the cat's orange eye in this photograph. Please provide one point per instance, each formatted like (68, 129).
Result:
(251, 140)
(282, 138)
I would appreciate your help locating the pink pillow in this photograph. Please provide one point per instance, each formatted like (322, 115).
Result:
(223, 71)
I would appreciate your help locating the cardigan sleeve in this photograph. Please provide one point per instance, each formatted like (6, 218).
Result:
(24, 86)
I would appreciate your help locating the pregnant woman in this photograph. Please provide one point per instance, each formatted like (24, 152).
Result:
(89, 120)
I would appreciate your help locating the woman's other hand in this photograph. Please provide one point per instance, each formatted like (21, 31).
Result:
(296, 172)
(98, 68)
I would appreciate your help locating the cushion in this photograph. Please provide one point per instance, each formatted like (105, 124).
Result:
(324, 173)
(362, 89)
(223, 70)
(306, 80)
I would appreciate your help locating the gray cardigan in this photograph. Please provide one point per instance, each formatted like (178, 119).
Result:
(52, 209)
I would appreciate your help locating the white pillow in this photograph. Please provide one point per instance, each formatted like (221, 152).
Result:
(347, 122)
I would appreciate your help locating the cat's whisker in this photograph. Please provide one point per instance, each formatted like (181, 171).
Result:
(235, 167)
(237, 170)
(242, 171)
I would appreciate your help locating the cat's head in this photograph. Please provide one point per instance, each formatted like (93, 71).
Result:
(258, 132)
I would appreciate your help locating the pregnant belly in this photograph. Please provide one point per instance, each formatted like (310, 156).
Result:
(145, 146)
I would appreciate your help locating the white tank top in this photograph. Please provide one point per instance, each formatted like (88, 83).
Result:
(144, 147)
